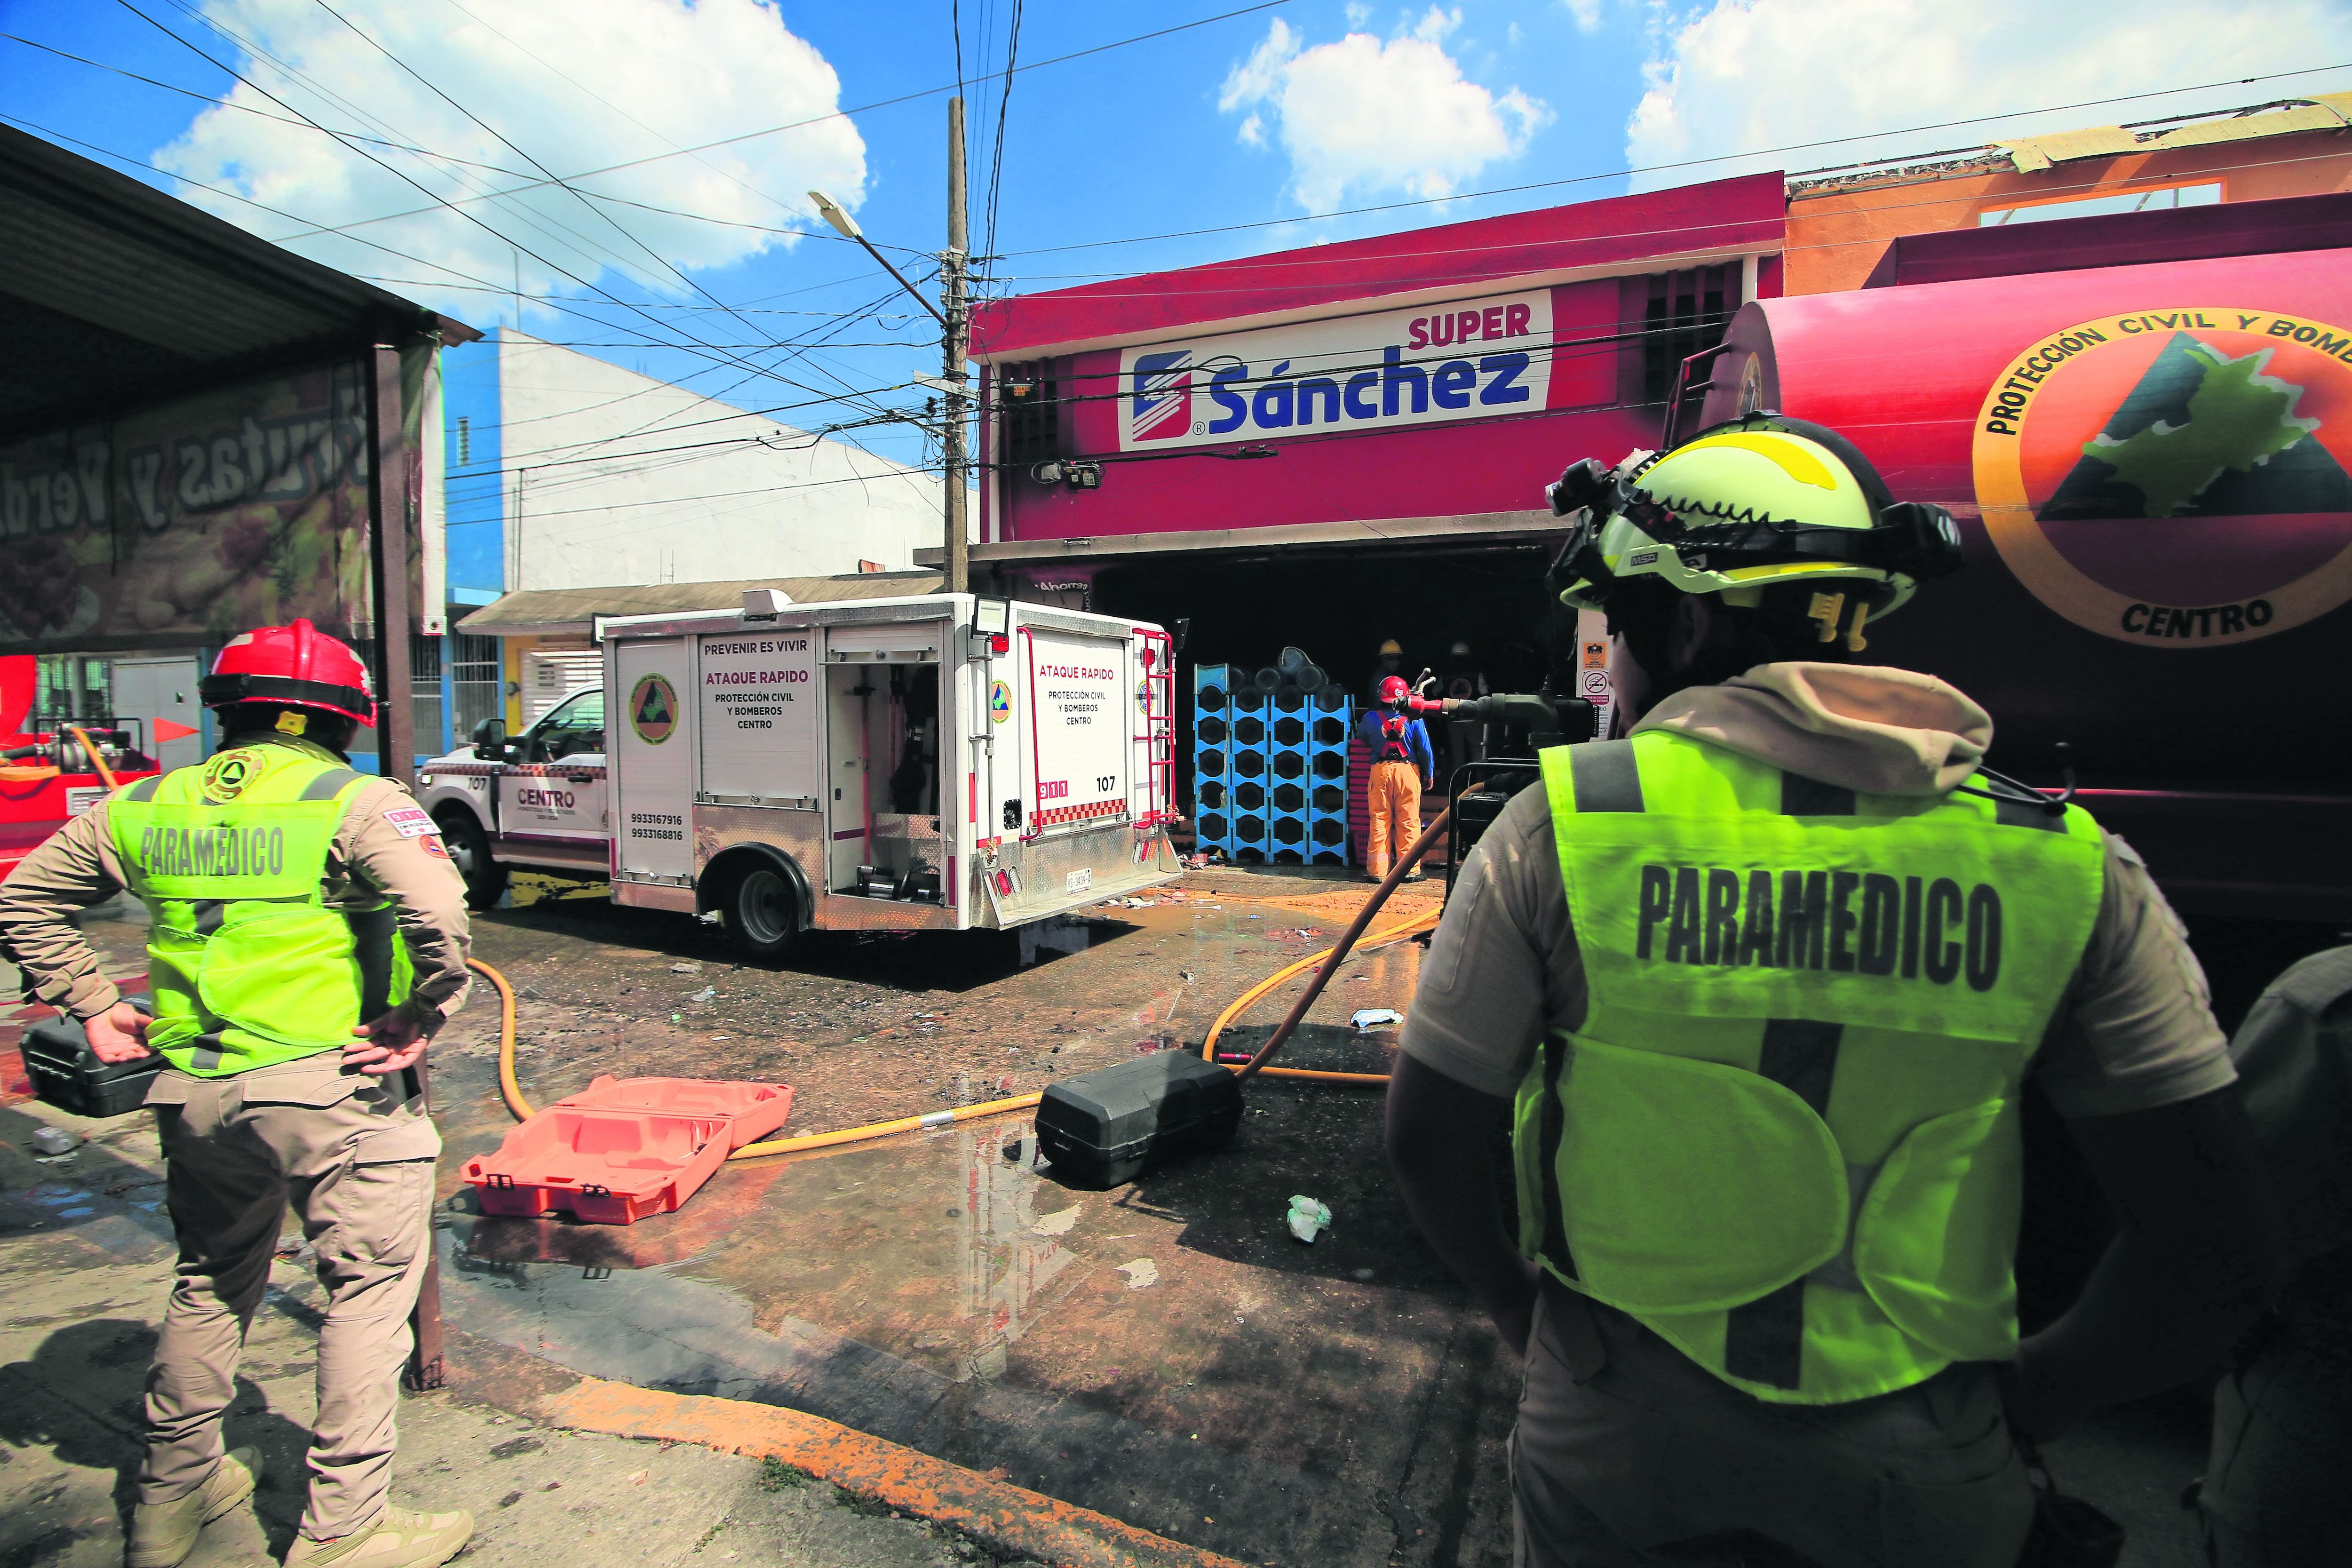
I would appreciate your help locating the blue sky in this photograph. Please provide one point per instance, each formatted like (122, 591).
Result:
(1274, 118)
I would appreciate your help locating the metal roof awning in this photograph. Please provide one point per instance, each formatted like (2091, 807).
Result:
(575, 611)
(118, 296)
(1470, 531)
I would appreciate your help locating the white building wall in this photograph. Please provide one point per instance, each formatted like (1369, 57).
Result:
(614, 477)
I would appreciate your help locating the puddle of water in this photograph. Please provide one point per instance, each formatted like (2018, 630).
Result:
(941, 1295)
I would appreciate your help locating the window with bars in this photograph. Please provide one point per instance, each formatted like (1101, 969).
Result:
(423, 688)
(425, 694)
(477, 682)
(1682, 314)
(1029, 413)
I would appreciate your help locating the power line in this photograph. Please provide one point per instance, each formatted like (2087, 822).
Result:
(406, 179)
(1683, 163)
(1003, 102)
(819, 119)
(1504, 271)
(510, 143)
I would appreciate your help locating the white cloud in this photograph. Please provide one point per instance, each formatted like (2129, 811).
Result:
(1740, 73)
(1361, 116)
(669, 74)
(1587, 13)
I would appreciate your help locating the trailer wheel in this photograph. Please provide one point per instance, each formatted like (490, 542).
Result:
(470, 851)
(759, 913)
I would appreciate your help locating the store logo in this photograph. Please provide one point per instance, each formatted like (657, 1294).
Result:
(2175, 478)
(1483, 359)
(1160, 406)
(653, 708)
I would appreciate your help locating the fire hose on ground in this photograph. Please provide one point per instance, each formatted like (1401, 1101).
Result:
(1331, 958)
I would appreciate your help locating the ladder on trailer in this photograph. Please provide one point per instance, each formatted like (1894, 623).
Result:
(1158, 737)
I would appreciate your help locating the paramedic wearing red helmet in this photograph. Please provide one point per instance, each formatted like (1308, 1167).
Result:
(1403, 765)
(308, 935)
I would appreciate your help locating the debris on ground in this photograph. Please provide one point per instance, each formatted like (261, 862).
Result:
(1367, 1019)
(1139, 1273)
(685, 969)
(54, 1141)
(705, 995)
(1308, 1217)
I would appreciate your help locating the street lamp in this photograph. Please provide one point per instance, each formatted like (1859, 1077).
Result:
(833, 213)
(953, 326)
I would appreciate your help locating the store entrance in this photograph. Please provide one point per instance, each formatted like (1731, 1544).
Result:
(1339, 606)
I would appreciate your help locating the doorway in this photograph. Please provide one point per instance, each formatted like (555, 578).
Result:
(882, 729)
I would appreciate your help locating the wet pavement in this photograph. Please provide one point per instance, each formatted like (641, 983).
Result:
(1164, 1352)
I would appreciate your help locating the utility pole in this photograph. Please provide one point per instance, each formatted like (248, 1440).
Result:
(952, 263)
(953, 313)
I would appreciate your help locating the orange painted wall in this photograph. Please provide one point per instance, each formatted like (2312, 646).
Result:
(1836, 237)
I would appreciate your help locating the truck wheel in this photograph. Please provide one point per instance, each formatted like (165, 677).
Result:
(470, 851)
(759, 913)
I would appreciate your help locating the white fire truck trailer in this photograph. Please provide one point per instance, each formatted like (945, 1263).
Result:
(932, 764)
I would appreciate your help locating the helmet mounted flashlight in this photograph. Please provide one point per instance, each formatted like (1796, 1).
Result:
(1756, 503)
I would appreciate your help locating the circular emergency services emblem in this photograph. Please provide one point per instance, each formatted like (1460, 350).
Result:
(653, 708)
(2176, 478)
(225, 776)
(999, 701)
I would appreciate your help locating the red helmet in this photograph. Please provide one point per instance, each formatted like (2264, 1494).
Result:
(1394, 690)
(299, 666)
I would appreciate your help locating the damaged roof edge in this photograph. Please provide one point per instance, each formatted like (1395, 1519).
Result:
(2032, 154)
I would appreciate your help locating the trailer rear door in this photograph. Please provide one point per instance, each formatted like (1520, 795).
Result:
(652, 740)
(1081, 734)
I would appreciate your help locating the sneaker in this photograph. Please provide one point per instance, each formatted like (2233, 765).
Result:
(399, 1537)
(164, 1533)
(1415, 875)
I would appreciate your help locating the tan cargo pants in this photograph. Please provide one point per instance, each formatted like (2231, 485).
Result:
(354, 1155)
(1651, 1459)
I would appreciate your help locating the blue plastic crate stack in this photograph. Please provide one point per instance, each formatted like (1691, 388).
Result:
(1270, 765)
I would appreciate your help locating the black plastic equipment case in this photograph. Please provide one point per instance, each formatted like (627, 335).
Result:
(68, 1074)
(1108, 1127)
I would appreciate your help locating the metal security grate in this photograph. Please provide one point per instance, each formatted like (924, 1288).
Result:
(476, 682)
(1029, 408)
(1687, 314)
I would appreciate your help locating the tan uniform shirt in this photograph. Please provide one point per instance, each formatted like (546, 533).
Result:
(370, 860)
(2135, 1031)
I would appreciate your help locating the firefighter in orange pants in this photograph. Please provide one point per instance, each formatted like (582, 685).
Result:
(1403, 765)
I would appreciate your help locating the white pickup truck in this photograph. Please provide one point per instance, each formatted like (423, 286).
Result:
(941, 762)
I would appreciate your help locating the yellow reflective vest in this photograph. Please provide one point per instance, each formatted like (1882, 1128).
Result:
(249, 965)
(1786, 1136)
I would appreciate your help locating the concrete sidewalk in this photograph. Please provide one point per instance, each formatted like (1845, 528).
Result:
(87, 1260)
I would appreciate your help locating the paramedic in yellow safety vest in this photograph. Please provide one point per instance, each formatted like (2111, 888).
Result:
(308, 935)
(1758, 988)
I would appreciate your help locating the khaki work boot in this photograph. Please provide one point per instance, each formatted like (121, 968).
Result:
(399, 1538)
(164, 1533)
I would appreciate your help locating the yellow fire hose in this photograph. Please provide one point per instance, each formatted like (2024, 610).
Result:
(1331, 958)
(510, 1091)
(520, 1109)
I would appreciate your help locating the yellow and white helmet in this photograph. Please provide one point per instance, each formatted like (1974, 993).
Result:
(1760, 503)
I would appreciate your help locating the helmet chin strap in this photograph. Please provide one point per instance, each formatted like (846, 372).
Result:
(1706, 642)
